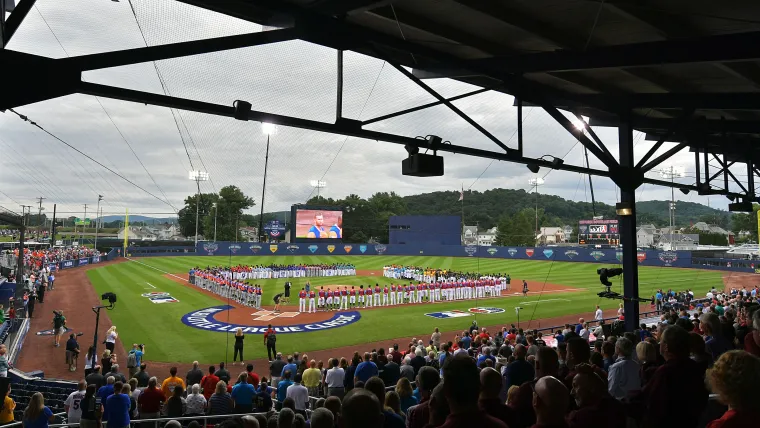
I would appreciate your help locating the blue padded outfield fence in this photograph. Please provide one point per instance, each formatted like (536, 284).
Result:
(655, 258)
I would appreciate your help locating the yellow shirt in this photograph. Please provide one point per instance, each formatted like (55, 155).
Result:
(169, 383)
(311, 378)
(6, 415)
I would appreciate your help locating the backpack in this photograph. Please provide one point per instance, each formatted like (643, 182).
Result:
(271, 338)
(132, 360)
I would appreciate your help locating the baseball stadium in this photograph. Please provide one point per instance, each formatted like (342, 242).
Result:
(203, 222)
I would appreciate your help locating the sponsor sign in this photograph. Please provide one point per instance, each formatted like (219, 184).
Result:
(84, 261)
(641, 256)
(668, 257)
(293, 248)
(95, 259)
(619, 256)
(313, 248)
(362, 248)
(492, 251)
(274, 228)
(548, 253)
(53, 267)
(570, 254)
(380, 248)
(210, 247)
(512, 252)
(160, 297)
(471, 250)
(597, 228)
(330, 248)
(348, 248)
(255, 248)
(486, 310)
(234, 248)
(529, 252)
(273, 248)
(51, 332)
(596, 254)
(447, 314)
(204, 319)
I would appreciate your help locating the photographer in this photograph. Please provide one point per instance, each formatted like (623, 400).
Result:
(72, 352)
(59, 326)
(134, 358)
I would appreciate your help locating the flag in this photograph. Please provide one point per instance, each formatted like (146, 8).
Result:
(461, 194)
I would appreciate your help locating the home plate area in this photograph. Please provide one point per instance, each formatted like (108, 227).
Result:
(270, 315)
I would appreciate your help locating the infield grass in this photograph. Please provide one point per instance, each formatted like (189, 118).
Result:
(158, 325)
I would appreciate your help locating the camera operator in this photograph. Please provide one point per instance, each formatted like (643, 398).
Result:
(72, 352)
(59, 326)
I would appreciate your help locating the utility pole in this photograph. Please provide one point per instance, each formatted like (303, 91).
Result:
(97, 219)
(84, 225)
(39, 217)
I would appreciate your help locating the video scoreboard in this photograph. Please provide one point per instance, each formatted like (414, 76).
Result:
(598, 232)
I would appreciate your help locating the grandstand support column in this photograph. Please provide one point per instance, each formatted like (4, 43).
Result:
(20, 258)
(628, 184)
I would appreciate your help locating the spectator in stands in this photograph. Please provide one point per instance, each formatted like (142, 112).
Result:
(490, 388)
(550, 403)
(519, 371)
(715, 341)
(72, 404)
(405, 394)
(116, 374)
(107, 361)
(391, 419)
(91, 414)
(95, 378)
(419, 415)
(647, 356)
(195, 403)
(242, 394)
(623, 376)
(252, 377)
(578, 352)
(595, 405)
(321, 418)
(223, 373)
(406, 370)
(151, 400)
(289, 366)
(4, 364)
(37, 414)
(8, 406)
(311, 378)
(677, 384)
(361, 408)
(107, 390)
(117, 406)
(547, 364)
(752, 338)
(142, 376)
(334, 379)
(393, 404)
(608, 353)
(698, 351)
(735, 377)
(299, 393)
(176, 405)
(220, 402)
(461, 384)
(366, 369)
(263, 399)
(276, 368)
(194, 375)
(282, 388)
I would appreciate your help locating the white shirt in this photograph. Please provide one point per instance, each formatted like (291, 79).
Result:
(299, 394)
(598, 314)
(585, 333)
(111, 337)
(75, 411)
(335, 377)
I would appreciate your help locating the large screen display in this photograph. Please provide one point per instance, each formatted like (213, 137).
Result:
(319, 223)
(598, 232)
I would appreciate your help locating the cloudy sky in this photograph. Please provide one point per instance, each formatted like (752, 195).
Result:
(145, 143)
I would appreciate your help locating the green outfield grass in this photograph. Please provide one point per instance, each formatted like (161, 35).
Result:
(167, 339)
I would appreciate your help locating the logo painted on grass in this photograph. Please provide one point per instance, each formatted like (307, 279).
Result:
(668, 257)
(160, 297)
(347, 248)
(204, 319)
(255, 248)
(548, 253)
(362, 248)
(596, 254)
(470, 250)
(529, 252)
(570, 254)
(492, 251)
(234, 248)
(641, 256)
(486, 310)
(293, 248)
(380, 248)
(313, 248)
(330, 248)
(51, 332)
(512, 252)
(447, 314)
(210, 247)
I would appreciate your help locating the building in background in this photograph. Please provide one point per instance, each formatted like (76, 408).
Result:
(487, 237)
(551, 235)
(470, 235)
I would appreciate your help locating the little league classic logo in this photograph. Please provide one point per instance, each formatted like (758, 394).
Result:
(293, 248)
(641, 256)
(668, 257)
(210, 247)
(548, 253)
(204, 319)
(348, 248)
(160, 297)
(380, 248)
(570, 254)
(470, 250)
(51, 332)
(234, 248)
(362, 248)
(255, 248)
(492, 251)
(313, 248)
(444, 315)
(512, 252)
(486, 310)
(330, 248)
(596, 255)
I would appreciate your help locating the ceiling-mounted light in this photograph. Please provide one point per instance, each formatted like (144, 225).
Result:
(624, 209)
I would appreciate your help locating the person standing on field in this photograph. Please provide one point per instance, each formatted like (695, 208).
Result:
(270, 340)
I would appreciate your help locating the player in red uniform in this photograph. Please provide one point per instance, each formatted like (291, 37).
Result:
(302, 300)
(312, 308)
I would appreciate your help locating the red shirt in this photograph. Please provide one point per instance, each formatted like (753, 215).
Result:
(208, 383)
(511, 337)
(150, 400)
(751, 345)
(311, 294)
(253, 379)
(735, 419)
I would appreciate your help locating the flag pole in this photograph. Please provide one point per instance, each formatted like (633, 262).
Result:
(461, 201)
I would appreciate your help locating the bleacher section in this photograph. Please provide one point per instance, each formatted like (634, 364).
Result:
(55, 393)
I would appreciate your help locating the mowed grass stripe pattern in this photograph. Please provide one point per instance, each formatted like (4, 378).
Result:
(159, 327)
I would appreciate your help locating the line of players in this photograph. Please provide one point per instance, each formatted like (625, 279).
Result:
(242, 293)
(345, 298)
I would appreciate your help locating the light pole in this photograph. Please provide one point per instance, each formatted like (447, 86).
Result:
(535, 182)
(269, 129)
(318, 184)
(100, 198)
(197, 176)
(214, 205)
(672, 173)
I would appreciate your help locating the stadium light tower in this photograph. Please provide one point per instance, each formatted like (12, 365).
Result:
(535, 182)
(97, 222)
(318, 184)
(672, 173)
(197, 176)
(268, 129)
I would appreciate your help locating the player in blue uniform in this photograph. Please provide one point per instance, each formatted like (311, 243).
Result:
(318, 229)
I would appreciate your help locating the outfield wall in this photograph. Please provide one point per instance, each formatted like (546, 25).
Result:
(680, 259)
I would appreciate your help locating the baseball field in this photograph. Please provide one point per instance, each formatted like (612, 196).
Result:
(556, 289)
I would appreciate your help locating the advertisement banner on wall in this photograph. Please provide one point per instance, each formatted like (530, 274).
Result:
(83, 261)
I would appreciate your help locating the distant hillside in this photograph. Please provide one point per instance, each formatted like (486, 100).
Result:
(136, 218)
(687, 213)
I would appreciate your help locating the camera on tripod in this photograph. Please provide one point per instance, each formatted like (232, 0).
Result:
(111, 297)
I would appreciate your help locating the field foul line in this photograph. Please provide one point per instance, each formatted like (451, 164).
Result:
(155, 268)
(151, 284)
